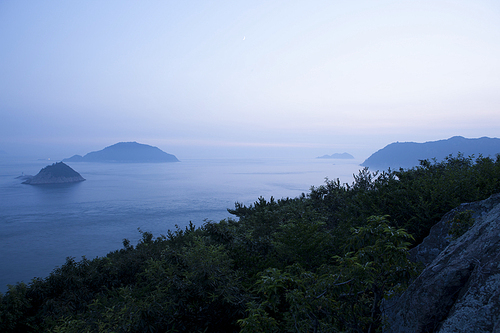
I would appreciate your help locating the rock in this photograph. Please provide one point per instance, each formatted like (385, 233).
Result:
(24, 177)
(439, 239)
(57, 173)
(459, 291)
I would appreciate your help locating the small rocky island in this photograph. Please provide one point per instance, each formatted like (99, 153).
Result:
(126, 152)
(57, 173)
(338, 156)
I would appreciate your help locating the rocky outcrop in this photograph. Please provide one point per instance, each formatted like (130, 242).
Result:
(459, 290)
(57, 173)
(439, 238)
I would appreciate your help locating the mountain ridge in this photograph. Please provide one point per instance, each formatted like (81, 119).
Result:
(408, 154)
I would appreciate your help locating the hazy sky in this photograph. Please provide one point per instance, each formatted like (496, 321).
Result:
(246, 78)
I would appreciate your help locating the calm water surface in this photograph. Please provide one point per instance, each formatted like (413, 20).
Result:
(42, 225)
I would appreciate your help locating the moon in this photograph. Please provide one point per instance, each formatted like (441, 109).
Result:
(243, 37)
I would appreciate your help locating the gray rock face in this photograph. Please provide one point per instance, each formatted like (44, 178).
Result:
(439, 239)
(57, 173)
(459, 291)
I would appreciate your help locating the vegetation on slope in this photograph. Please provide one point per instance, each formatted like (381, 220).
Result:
(408, 154)
(321, 262)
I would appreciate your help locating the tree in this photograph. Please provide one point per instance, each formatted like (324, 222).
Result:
(343, 295)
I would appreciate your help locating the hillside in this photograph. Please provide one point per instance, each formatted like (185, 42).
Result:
(408, 154)
(57, 173)
(126, 152)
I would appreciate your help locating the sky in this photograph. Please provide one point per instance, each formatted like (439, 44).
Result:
(220, 79)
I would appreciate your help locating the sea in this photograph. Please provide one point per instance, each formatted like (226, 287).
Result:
(42, 225)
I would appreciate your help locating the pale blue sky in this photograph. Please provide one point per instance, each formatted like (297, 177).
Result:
(254, 78)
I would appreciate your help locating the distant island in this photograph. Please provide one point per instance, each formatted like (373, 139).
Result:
(126, 152)
(408, 154)
(57, 173)
(343, 156)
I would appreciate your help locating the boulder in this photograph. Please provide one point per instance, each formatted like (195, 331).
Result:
(459, 290)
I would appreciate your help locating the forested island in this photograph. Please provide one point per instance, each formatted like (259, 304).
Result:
(321, 262)
(57, 173)
(126, 152)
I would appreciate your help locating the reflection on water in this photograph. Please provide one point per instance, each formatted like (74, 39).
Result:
(56, 193)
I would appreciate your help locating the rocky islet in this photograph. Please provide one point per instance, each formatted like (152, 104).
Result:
(57, 173)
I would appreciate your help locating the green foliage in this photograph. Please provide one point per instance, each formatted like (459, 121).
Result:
(460, 224)
(379, 267)
(302, 241)
(344, 294)
(321, 262)
(13, 307)
(258, 320)
(415, 199)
